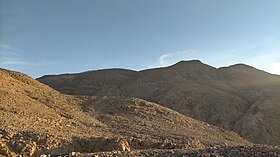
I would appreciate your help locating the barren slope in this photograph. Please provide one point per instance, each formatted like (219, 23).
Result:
(36, 119)
(36, 113)
(240, 98)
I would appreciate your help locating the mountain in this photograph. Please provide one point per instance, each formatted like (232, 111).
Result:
(35, 120)
(239, 97)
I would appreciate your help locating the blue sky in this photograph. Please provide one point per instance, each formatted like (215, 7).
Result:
(51, 36)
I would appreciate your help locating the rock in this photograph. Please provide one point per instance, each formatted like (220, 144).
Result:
(124, 145)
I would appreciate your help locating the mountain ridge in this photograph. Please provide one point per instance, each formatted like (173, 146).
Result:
(177, 63)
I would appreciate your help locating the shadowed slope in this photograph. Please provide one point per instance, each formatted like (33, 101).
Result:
(152, 125)
(239, 97)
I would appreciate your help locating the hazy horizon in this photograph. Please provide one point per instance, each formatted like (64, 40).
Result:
(68, 36)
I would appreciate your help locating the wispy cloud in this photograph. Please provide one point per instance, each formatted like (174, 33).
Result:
(168, 59)
(4, 46)
(8, 50)
(19, 61)
(216, 59)
(10, 56)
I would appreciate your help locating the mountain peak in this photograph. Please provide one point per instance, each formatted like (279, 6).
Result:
(192, 64)
(241, 65)
(189, 62)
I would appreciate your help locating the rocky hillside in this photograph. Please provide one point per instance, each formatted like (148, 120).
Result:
(36, 119)
(239, 98)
